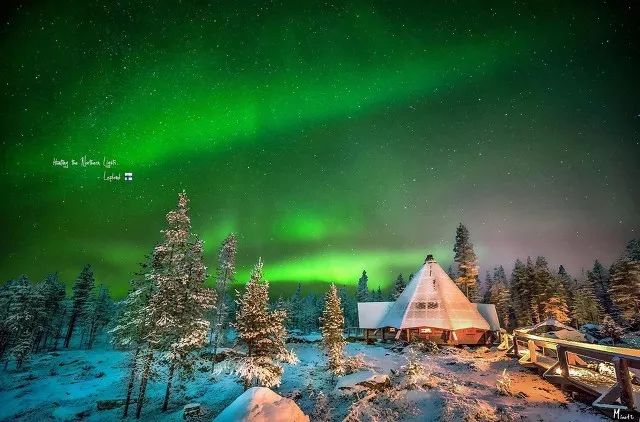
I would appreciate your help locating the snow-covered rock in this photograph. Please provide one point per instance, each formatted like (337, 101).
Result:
(363, 380)
(571, 335)
(260, 404)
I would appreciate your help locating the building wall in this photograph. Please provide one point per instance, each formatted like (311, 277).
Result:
(468, 336)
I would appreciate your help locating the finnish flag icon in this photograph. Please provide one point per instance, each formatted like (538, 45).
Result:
(128, 177)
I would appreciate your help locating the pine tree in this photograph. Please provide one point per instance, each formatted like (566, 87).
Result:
(5, 329)
(82, 289)
(586, 308)
(98, 311)
(295, 307)
(362, 293)
(521, 295)
(332, 331)
(499, 295)
(179, 302)
(262, 333)
(632, 250)
(224, 277)
(133, 325)
(398, 287)
(625, 289)
(599, 279)
(310, 314)
(52, 291)
(488, 282)
(467, 262)
(567, 284)
(349, 307)
(378, 295)
(551, 299)
(610, 329)
(24, 315)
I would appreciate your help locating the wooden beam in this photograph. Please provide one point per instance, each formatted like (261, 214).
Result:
(562, 360)
(533, 356)
(622, 375)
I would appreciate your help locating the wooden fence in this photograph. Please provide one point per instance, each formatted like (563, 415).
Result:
(601, 372)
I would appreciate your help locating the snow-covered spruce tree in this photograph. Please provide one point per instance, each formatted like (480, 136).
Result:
(349, 307)
(521, 295)
(133, 324)
(552, 295)
(467, 262)
(262, 334)
(598, 276)
(567, 283)
(362, 292)
(224, 277)
(5, 300)
(82, 289)
(24, 314)
(98, 313)
(499, 296)
(585, 308)
(378, 295)
(332, 331)
(611, 329)
(398, 287)
(180, 301)
(60, 321)
(295, 309)
(310, 314)
(486, 288)
(52, 291)
(625, 289)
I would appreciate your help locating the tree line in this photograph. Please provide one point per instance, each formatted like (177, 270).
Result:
(36, 317)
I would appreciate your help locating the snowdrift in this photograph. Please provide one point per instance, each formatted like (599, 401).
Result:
(260, 404)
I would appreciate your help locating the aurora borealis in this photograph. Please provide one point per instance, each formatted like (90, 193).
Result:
(332, 138)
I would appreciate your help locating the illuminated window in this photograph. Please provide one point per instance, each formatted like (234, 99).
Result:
(425, 330)
(392, 330)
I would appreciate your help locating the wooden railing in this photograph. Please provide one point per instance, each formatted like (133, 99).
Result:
(599, 371)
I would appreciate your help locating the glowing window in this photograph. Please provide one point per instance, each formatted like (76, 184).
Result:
(392, 330)
(425, 330)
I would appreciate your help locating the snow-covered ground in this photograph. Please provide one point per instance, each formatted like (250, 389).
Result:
(66, 385)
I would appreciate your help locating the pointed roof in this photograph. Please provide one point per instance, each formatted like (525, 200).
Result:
(433, 300)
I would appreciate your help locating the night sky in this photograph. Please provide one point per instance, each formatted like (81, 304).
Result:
(331, 138)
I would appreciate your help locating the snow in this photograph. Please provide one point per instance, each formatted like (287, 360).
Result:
(456, 382)
(371, 314)
(353, 383)
(260, 404)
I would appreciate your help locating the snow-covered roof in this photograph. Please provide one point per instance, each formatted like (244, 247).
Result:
(370, 314)
(489, 313)
(432, 300)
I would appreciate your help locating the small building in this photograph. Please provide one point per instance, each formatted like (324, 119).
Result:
(433, 308)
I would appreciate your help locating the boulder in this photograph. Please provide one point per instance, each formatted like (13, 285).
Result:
(191, 410)
(110, 404)
(362, 380)
(260, 404)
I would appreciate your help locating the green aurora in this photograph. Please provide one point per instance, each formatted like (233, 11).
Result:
(331, 138)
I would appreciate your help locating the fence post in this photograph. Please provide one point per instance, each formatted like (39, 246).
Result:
(624, 381)
(562, 359)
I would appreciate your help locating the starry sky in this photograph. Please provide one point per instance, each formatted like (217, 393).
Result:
(330, 137)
